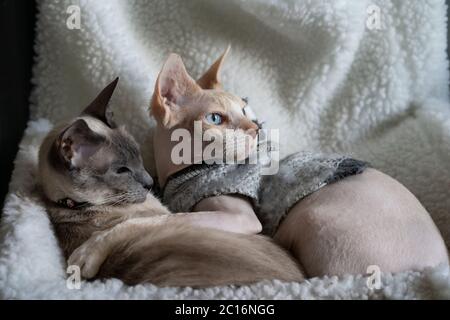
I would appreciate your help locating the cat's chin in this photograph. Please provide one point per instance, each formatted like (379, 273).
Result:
(131, 201)
(141, 199)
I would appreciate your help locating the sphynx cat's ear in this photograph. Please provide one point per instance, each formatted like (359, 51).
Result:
(173, 85)
(77, 144)
(211, 79)
(99, 107)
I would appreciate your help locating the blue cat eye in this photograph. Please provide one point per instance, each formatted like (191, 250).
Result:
(214, 118)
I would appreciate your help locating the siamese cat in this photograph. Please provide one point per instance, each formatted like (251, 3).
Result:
(109, 223)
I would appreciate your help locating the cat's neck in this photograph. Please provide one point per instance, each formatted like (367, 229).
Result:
(105, 215)
(163, 145)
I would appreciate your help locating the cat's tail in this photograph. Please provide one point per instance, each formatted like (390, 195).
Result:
(182, 255)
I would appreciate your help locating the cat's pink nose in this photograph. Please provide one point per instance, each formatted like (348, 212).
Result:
(250, 128)
(252, 132)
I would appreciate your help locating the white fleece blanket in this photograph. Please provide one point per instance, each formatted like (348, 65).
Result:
(323, 72)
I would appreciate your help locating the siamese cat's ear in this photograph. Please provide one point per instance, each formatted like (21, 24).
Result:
(99, 107)
(77, 144)
(172, 86)
(211, 79)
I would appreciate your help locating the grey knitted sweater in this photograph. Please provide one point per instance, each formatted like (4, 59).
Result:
(272, 196)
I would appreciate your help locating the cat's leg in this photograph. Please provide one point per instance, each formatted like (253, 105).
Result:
(93, 252)
(362, 220)
(232, 213)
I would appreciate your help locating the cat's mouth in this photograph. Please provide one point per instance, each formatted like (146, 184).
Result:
(124, 198)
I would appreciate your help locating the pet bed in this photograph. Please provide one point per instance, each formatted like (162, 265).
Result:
(366, 78)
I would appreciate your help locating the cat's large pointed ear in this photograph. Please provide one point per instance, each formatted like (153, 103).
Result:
(77, 144)
(172, 86)
(99, 107)
(211, 79)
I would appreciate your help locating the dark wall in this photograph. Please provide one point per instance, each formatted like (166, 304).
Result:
(448, 29)
(17, 20)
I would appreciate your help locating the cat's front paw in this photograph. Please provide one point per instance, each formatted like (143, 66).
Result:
(89, 256)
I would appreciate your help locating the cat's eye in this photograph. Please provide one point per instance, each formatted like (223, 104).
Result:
(214, 118)
(245, 99)
(123, 170)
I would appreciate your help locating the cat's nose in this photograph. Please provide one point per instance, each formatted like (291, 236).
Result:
(252, 128)
(252, 132)
(148, 186)
(147, 181)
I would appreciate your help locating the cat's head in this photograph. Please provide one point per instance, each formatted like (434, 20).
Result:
(91, 160)
(178, 100)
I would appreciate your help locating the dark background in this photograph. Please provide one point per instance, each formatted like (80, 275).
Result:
(17, 21)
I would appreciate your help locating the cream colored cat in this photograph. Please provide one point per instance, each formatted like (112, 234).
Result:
(366, 219)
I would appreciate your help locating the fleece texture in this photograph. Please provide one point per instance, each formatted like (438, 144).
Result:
(366, 78)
